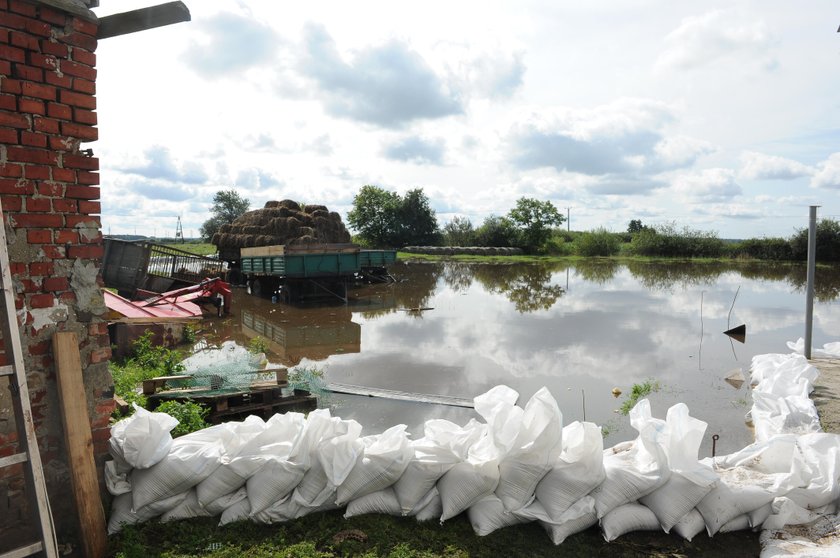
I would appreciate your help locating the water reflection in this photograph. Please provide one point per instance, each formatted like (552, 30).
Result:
(530, 287)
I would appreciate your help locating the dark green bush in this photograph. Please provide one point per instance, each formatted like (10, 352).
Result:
(599, 242)
(191, 416)
(667, 241)
(828, 242)
(776, 249)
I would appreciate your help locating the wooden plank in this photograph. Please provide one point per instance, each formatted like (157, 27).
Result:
(400, 395)
(142, 19)
(7, 370)
(79, 444)
(22, 551)
(13, 459)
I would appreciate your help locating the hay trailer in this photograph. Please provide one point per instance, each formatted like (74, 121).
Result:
(295, 273)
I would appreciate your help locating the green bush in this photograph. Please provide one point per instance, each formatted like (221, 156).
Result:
(147, 361)
(497, 232)
(828, 242)
(667, 241)
(191, 416)
(599, 242)
(776, 249)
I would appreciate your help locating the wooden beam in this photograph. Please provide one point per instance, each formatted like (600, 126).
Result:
(142, 19)
(79, 444)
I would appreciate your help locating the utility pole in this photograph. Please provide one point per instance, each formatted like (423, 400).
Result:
(568, 219)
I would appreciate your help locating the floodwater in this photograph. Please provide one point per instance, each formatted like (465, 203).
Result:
(580, 329)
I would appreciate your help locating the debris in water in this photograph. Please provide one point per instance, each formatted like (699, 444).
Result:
(735, 378)
(738, 333)
(616, 392)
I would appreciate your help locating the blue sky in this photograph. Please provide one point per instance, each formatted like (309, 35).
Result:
(718, 115)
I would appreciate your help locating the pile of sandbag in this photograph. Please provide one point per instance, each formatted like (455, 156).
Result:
(280, 222)
(514, 465)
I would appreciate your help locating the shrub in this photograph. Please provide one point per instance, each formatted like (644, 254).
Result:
(828, 242)
(599, 242)
(777, 249)
(147, 361)
(665, 240)
(496, 231)
(191, 416)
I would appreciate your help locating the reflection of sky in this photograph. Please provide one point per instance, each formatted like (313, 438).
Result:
(600, 334)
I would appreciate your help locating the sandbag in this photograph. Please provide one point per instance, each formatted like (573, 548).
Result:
(115, 482)
(627, 518)
(272, 482)
(577, 472)
(219, 505)
(533, 453)
(142, 439)
(122, 513)
(240, 511)
(430, 507)
(384, 459)
(489, 514)
(576, 518)
(690, 525)
(188, 508)
(382, 501)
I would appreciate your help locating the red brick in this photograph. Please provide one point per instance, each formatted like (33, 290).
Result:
(89, 178)
(46, 61)
(41, 269)
(35, 220)
(50, 189)
(99, 328)
(52, 16)
(5, 68)
(84, 116)
(32, 139)
(38, 90)
(8, 102)
(38, 236)
(28, 73)
(81, 40)
(63, 175)
(41, 348)
(12, 86)
(38, 28)
(36, 172)
(90, 207)
(84, 220)
(85, 252)
(20, 186)
(64, 82)
(47, 125)
(84, 26)
(23, 40)
(39, 205)
(11, 171)
(13, 120)
(11, 203)
(78, 99)
(80, 162)
(30, 155)
(66, 206)
(62, 112)
(56, 284)
(84, 86)
(4, 34)
(60, 143)
(54, 48)
(82, 192)
(78, 70)
(8, 135)
(13, 54)
(84, 57)
(100, 355)
(32, 106)
(42, 301)
(66, 236)
(23, 8)
(17, 268)
(81, 131)
(53, 252)
(30, 286)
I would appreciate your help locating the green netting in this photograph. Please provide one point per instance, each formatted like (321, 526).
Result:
(230, 367)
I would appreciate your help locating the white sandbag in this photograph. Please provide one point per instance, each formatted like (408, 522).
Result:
(578, 517)
(187, 509)
(690, 525)
(533, 453)
(627, 518)
(272, 482)
(122, 514)
(116, 483)
(749, 479)
(690, 480)
(784, 511)
(142, 439)
(469, 481)
(339, 454)
(829, 350)
(443, 445)
(277, 512)
(240, 511)
(773, 414)
(219, 505)
(488, 514)
(384, 459)
(818, 461)
(577, 472)
(429, 508)
(739, 523)
(633, 469)
(382, 501)
(759, 516)
(192, 459)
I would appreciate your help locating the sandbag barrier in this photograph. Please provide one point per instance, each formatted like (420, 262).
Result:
(463, 250)
(513, 466)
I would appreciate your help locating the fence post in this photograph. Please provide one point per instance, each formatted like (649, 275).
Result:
(809, 291)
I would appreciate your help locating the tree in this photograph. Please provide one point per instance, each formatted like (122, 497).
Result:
(534, 220)
(228, 205)
(383, 218)
(635, 226)
(828, 242)
(496, 231)
(459, 232)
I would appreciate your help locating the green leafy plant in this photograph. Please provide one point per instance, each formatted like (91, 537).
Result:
(191, 416)
(147, 361)
(257, 345)
(639, 391)
(189, 333)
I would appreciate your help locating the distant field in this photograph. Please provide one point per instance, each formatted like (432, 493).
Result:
(198, 248)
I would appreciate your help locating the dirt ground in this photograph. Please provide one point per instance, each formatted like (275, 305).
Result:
(826, 395)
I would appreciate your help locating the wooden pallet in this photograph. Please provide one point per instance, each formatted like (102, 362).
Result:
(283, 249)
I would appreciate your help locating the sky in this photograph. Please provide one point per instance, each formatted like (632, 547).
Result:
(719, 115)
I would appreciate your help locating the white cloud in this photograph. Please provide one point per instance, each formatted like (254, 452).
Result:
(703, 40)
(416, 149)
(828, 173)
(758, 166)
(709, 185)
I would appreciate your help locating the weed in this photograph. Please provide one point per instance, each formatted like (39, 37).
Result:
(191, 416)
(189, 333)
(147, 361)
(258, 345)
(639, 391)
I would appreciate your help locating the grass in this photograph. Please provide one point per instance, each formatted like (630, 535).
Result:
(314, 536)
(197, 248)
(639, 391)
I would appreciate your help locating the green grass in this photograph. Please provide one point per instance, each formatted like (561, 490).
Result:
(314, 536)
(197, 248)
(639, 391)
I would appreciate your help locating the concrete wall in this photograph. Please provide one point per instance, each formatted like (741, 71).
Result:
(49, 190)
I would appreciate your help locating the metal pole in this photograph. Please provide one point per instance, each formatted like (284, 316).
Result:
(568, 219)
(809, 291)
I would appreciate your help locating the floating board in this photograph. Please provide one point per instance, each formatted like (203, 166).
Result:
(401, 395)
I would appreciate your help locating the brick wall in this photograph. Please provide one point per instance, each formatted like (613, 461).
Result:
(49, 189)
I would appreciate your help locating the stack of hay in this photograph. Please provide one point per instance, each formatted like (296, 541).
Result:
(280, 222)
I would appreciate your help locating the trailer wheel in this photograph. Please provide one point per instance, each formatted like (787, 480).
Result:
(257, 287)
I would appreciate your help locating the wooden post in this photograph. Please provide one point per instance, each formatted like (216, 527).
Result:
(79, 443)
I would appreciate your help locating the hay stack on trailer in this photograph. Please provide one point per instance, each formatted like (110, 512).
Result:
(280, 222)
